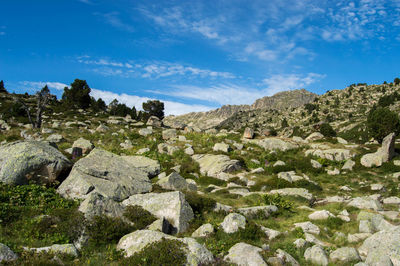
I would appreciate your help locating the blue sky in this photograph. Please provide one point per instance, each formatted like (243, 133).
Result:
(197, 55)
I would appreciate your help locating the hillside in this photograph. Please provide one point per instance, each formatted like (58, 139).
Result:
(89, 188)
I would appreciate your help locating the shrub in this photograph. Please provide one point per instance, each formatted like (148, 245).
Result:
(139, 216)
(381, 122)
(278, 201)
(104, 230)
(163, 252)
(327, 130)
(199, 203)
(396, 81)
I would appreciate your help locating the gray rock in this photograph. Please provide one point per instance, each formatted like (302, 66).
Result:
(392, 200)
(189, 151)
(308, 227)
(154, 121)
(382, 248)
(348, 165)
(315, 136)
(245, 254)
(222, 208)
(300, 192)
(96, 204)
(143, 150)
(252, 212)
(365, 203)
(22, 161)
(316, 164)
(67, 249)
(365, 226)
(331, 154)
(169, 134)
(145, 131)
(233, 222)
(222, 147)
(84, 144)
(132, 243)
(382, 155)
(174, 182)
(286, 258)
(102, 128)
(214, 165)
(290, 176)
(316, 255)
(345, 255)
(203, 231)
(270, 233)
(170, 205)
(147, 165)
(56, 138)
(320, 215)
(107, 174)
(6, 254)
(274, 144)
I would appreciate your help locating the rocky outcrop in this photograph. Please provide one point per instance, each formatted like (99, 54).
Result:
(147, 165)
(274, 144)
(106, 173)
(214, 165)
(170, 205)
(384, 154)
(24, 161)
(196, 253)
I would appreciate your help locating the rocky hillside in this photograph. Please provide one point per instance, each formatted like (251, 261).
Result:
(89, 188)
(210, 119)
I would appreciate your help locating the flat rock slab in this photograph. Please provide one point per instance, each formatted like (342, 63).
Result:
(22, 161)
(147, 165)
(107, 174)
(213, 165)
(245, 254)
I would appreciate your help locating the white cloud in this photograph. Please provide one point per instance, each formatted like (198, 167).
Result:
(113, 18)
(278, 83)
(40, 84)
(171, 108)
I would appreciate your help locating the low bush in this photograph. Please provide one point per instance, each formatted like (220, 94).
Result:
(278, 201)
(139, 216)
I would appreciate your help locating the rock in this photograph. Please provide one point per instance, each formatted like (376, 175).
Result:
(23, 161)
(96, 204)
(166, 148)
(345, 255)
(341, 140)
(222, 208)
(377, 187)
(248, 133)
(222, 147)
(233, 222)
(308, 227)
(84, 144)
(6, 254)
(147, 165)
(331, 154)
(143, 150)
(382, 155)
(102, 128)
(391, 200)
(170, 205)
(333, 172)
(189, 151)
(203, 231)
(290, 176)
(316, 164)
(348, 165)
(315, 136)
(279, 163)
(174, 182)
(316, 255)
(286, 258)
(182, 138)
(320, 215)
(300, 243)
(127, 145)
(67, 249)
(154, 121)
(355, 238)
(274, 144)
(270, 233)
(145, 131)
(300, 192)
(214, 165)
(107, 174)
(55, 138)
(252, 212)
(245, 254)
(365, 203)
(382, 248)
(169, 134)
(135, 242)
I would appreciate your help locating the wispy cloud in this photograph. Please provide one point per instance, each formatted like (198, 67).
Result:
(171, 108)
(37, 85)
(114, 19)
(153, 69)
(89, 2)
(278, 83)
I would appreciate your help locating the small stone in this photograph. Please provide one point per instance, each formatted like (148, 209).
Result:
(232, 222)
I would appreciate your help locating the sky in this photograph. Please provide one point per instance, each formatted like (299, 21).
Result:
(197, 55)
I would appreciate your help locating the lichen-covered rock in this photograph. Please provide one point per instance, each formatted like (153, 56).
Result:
(175, 182)
(248, 133)
(300, 192)
(308, 227)
(67, 249)
(203, 231)
(345, 255)
(107, 174)
(170, 205)
(145, 131)
(245, 254)
(331, 154)
(365, 203)
(222, 147)
(233, 222)
(316, 255)
(320, 215)
(382, 248)
(169, 134)
(147, 165)
(214, 165)
(258, 210)
(286, 258)
(23, 161)
(84, 144)
(154, 121)
(274, 144)
(6, 254)
(96, 204)
(348, 165)
(132, 243)
(382, 155)
(315, 136)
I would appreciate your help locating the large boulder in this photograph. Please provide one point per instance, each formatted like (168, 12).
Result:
(248, 133)
(175, 181)
(203, 231)
(96, 205)
(170, 205)
(214, 165)
(331, 154)
(147, 165)
(384, 154)
(23, 161)
(274, 144)
(222, 147)
(169, 134)
(6, 254)
(107, 174)
(134, 242)
(365, 203)
(345, 255)
(382, 248)
(316, 255)
(84, 144)
(154, 121)
(245, 254)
